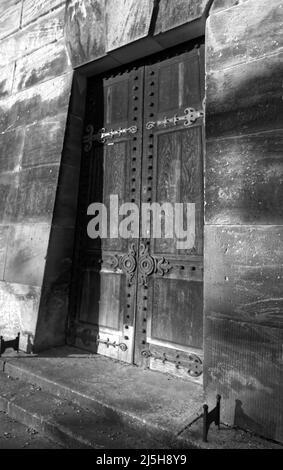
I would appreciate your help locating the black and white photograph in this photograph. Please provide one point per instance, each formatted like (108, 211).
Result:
(141, 229)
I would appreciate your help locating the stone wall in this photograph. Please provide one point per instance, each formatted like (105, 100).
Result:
(35, 87)
(244, 213)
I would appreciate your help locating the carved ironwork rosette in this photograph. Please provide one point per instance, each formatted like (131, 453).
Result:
(149, 265)
(146, 263)
(127, 263)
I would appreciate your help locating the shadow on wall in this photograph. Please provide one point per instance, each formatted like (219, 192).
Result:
(72, 282)
(245, 168)
(244, 421)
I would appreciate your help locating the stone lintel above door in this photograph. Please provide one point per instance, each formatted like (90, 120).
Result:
(114, 32)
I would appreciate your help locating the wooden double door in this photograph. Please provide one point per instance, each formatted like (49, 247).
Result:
(140, 299)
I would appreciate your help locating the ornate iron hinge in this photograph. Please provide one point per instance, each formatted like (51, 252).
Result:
(102, 135)
(189, 117)
(88, 337)
(108, 343)
(194, 369)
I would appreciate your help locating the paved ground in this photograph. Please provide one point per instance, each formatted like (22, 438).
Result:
(14, 435)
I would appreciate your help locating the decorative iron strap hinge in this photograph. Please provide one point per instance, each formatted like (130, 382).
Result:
(193, 366)
(189, 117)
(115, 345)
(102, 135)
(88, 337)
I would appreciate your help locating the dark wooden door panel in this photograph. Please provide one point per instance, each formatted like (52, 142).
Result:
(169, 314)
(104, 311)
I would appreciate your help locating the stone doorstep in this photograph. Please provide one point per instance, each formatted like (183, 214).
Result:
(129, 428)
(41, 393)
(64, 422)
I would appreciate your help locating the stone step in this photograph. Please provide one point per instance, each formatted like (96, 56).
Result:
(140, 401)
(66, 423)
(69, 408)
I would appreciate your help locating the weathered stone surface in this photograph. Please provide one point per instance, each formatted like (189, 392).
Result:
(10, 16)
(26, 252)
(48, 29)
(246, 98)
(4, 231)
(244, 180)
(78, 96)
(44, 64)
(36, 194)
(18, 311)
(32, 9)
(95, 27)
(218, 5)
(243, 362)
(9, 183)
(65, 209)
(85, 30)
(11, 149)
(72, 143)
(127, 21)
(246, 32)
(46, 99)
(6, 79)
(55, 293)
(173, 14)
(243, 274)
(44, 141)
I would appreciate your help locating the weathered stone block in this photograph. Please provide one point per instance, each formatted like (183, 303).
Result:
(34, 104)
(244, 33)
(18, 312)
(55, 293)
(36, 194)
(245, 99)
(127, 21)
(44, 141)
(85, 30)
(26, 252)
(218, 5)
(48, 62)
(11, 149)
(4, 230)
(10, 16)
(48, 29)
(243, 274)
(6, 80)
(9, 183)
(94, 28)
(243, 362)
(65, 209)
(173, 14)
(33, 9)
(73, 141)
(244, 180)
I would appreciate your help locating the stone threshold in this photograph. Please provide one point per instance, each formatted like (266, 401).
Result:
(125, 398)
(82, 400)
